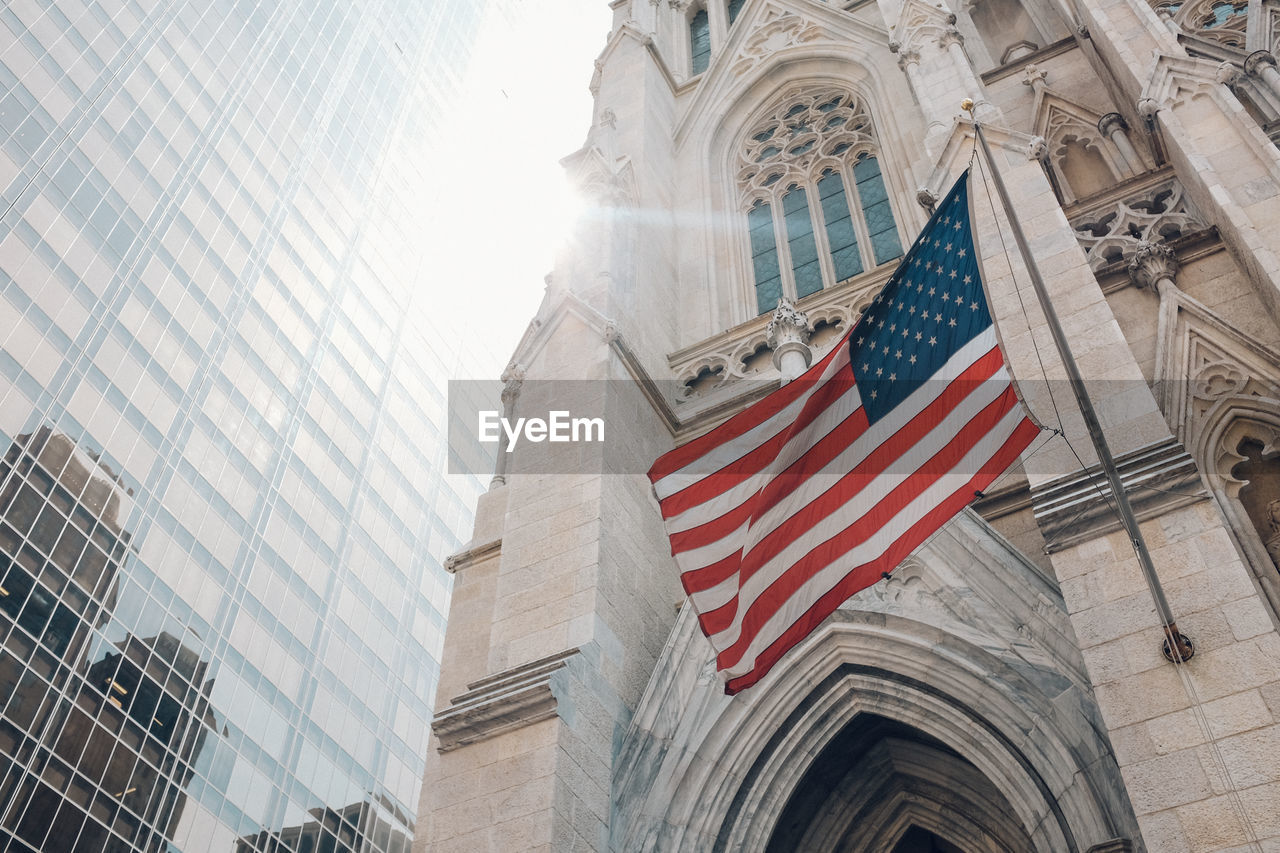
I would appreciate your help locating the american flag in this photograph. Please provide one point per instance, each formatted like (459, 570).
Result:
(817, 491)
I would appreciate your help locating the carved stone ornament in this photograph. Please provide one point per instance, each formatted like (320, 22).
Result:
(1256, 61)
(927, 199)
(779, 31)
(1273, 541)
(1147, 108)
(1037, 148)
(1151, 263)
(788, 324)
(1034, 77)
(1111, 231)
(512, 379)
(1110, 123)
(808, 130)
(1229, 73)
(950, 36)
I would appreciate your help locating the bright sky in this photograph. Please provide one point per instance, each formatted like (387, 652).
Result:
(504, 204)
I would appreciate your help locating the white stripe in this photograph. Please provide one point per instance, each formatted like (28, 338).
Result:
(835, 414)
(722, 455)
(817, 586)
(876, 490)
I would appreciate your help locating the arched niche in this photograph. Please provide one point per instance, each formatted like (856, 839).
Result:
(807, 67)
(913, 697)
(1240, 442)
(880, 786)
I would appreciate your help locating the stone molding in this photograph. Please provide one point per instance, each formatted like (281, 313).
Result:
(1154, 206)
(1115, 845)
(501, 703)
(471, 556)
(1159, 478)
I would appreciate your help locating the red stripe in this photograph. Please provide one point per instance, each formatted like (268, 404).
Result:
(864, 576)
(712, 484)
(717, 483)
(878, 461)
(708, 576)
(743, 422)
(713, 530)
(763, 606)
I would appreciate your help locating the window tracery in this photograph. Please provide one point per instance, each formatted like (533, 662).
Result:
(1223, 21)
(817, 208)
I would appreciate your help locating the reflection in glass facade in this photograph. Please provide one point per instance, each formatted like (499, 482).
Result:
(221, 421)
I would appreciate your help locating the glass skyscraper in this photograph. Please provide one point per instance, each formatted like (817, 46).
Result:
(222, 507)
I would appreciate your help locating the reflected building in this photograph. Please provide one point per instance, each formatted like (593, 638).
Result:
(222, 507)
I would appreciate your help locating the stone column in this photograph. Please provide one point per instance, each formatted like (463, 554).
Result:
(1153, 266)
(788, 335)
(1036, 78)
(1113, 127)
(512, 379)
(952, 42)
(1262, 64)
(1166, 15)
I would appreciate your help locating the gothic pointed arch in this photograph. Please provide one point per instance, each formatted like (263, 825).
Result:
(928, 706)
(1220, 391)
(1083, 160)
(811, 186)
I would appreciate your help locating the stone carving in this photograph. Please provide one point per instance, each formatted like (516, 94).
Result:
(1273, 541)
(1152, 263)
(777, 32)
(788, 335)
(1035, 77)
(808, 130)
(1037, 148)
(1215, 20)
(1112, 230)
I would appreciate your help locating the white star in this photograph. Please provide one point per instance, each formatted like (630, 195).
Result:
(913, 359)
(973, 306)
(953, 273)
(873, 395)
(952, 324)
(963, 252)
(897, 354)
(937, 318)
(933, 341)
(892, 377)
(933, 290)
(919, 335)
(879, 370)
(968, 279)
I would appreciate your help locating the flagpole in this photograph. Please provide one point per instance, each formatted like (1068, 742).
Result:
(1177, 647)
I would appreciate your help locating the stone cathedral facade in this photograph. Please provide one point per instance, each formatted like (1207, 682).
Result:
(755, 168)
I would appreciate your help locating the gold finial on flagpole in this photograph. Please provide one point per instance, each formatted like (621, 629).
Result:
(967, 106)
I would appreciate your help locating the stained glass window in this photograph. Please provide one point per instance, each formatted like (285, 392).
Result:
(764, 257)
(700, 41)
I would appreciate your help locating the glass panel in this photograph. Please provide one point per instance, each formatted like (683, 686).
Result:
(804, 251)
(876, 210)
(764, 258)
(845, 256)
(735, 6)
(700, 41)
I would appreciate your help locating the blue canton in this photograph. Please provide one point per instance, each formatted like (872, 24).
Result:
(931, 307)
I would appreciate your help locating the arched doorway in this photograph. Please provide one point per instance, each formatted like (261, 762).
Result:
(881, 786)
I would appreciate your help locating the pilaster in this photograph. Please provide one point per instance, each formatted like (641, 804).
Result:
(1178, 776)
